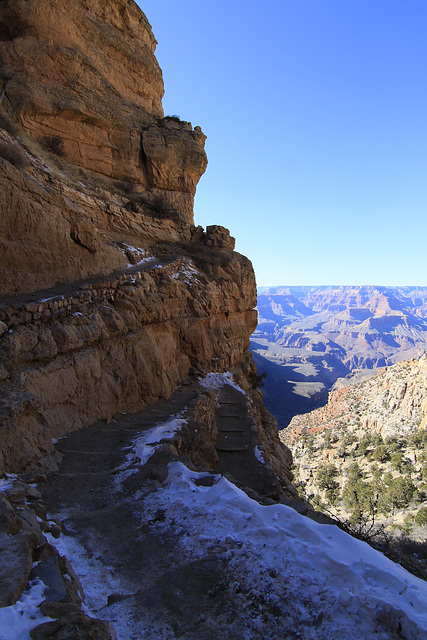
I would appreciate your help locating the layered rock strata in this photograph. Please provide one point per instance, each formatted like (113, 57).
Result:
(91, 358)
(82, 80)
(392, 403)
(110, 294)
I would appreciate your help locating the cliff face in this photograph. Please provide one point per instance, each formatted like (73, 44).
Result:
(86, 73)
(110, 294)
(392, 403)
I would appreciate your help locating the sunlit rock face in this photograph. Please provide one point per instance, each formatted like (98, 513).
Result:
(105, 182)
(86, 73)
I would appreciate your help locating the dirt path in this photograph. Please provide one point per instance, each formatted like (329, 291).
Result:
(69, 288)
(137, 577)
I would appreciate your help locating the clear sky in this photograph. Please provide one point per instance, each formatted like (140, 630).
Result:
(316, 117)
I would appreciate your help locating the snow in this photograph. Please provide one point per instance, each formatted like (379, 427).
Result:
(290, 576)
(17, 620)
(215, 381)
(187, 272)
(258, 454)
(356, 581)
(148, 442)
(7, 482)
(142, 253)
(51, 298)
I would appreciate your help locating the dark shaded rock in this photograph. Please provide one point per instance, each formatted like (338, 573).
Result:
(15, 565)
(74, 626)
(73, 584)
(29, 522)
(44, 551)
(39, 509)
(58, 609)
(33, 493)
(17, 493)
(8, 522)
(49, 572)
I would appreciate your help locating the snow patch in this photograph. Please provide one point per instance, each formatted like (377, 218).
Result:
(355, 580)
(258, 454)
(215, 381)
(187, 272)
(7, 483)
(17, 620)
(148, 442)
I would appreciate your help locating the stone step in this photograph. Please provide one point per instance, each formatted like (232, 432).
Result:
(230, 412)
(227, 426)
(232, 441)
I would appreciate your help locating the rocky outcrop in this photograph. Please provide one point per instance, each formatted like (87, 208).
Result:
(83, 81)
(110, 294)
(55, 230)
(392, 403)
(111, 299)
(118, 347)
(25, 554)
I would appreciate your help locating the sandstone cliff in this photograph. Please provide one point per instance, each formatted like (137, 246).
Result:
(111, 299)
(110, 294)
(81, 80)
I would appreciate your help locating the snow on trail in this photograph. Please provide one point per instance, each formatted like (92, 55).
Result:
(147, 443)
(353, 579)
(17, 620)
(287, 576)
(215, 381)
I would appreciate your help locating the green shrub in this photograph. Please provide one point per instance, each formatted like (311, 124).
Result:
(363, 445)
(400, 492)
(359, 497)
(402, 464)
(326, 475)
(381, 453)
(125, 186)
(257, 380)
(131, 205)
(421, 517)
(393, 444)
(308, 442)
(418, 438)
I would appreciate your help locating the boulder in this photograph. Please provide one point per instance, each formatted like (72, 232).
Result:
(15, 565)
(74, 626)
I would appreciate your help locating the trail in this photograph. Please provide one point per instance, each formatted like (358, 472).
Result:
(134, 576)
(165, 552)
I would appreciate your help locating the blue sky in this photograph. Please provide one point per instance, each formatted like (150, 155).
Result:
(316, 117)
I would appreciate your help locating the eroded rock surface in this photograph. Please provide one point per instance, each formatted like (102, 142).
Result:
(86, 72)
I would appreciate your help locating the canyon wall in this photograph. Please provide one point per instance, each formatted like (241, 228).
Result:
(110, 295)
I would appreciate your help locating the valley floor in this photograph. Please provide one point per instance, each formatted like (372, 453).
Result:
(165, 552)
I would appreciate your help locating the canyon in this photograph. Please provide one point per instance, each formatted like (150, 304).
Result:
(144, 488)
(310, 340)
(362, 455)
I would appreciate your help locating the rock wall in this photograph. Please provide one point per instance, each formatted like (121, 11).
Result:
(117, 346)
(90, 325)
(84, 73)
(56, 229)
